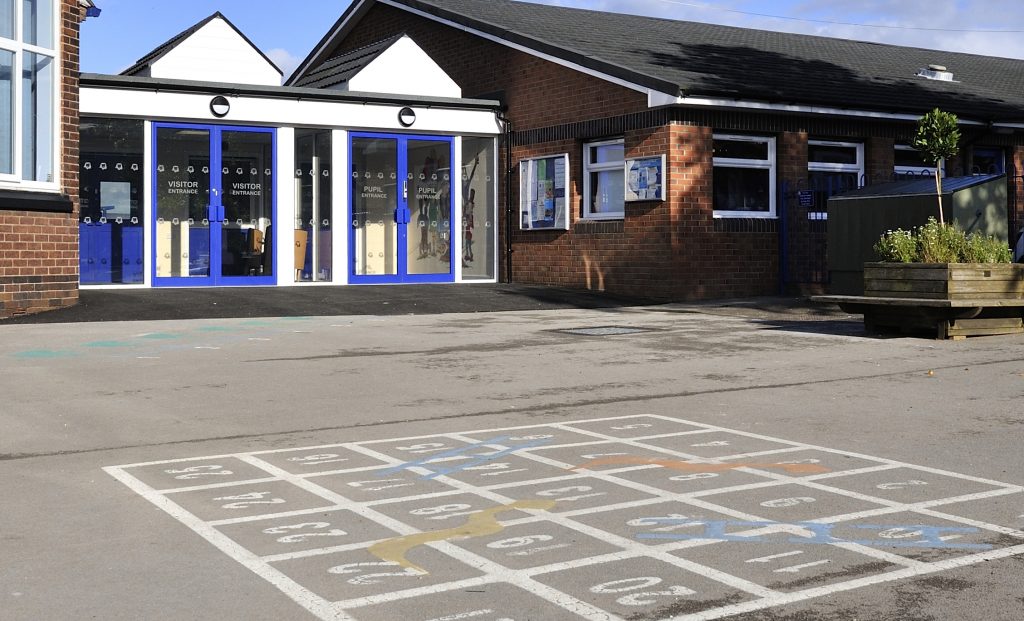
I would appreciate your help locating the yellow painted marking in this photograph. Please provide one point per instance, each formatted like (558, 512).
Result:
(477, 525)
(688, 466)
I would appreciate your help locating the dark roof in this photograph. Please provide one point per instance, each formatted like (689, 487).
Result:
(341, 69)
(723, 62)
(147, 61)
(917, 186)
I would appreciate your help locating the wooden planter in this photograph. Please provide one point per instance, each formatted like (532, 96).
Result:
(945, 281)
(959, 299)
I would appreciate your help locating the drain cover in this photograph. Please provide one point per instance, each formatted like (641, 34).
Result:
(604, 331)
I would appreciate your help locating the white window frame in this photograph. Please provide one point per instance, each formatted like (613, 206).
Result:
(15, 181)
(812, 166)
(588, 167)
(924, 173)
(768, 164)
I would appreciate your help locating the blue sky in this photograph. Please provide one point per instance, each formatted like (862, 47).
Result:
(286, 30)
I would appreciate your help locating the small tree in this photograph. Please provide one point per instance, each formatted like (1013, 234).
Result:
(938, 138)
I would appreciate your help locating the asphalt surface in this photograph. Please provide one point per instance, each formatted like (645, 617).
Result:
(269, 463)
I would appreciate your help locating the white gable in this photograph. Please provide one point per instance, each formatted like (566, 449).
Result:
(404, 69)
(216, 53)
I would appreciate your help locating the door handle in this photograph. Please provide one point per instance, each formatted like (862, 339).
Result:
(405, 190)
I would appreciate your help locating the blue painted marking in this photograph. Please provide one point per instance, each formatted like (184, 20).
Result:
(215, 329)
(424, 462)
(39, 354)
(108, 344)
(931, 536)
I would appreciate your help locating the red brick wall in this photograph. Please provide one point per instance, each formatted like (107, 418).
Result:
(39, 250)
(674, 249)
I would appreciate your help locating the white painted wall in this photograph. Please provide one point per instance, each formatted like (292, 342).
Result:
(216, 53)
(404, 69)
(280, 112)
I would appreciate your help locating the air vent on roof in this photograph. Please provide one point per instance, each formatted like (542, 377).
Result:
(936, 72)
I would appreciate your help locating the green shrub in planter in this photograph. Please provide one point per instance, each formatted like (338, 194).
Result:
(940, 243)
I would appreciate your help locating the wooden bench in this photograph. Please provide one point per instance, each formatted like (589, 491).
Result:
(951, 319)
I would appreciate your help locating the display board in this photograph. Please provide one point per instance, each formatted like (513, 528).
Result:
(645, 179)
(543, 193)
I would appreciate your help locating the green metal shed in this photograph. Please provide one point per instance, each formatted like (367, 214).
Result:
(857, 219)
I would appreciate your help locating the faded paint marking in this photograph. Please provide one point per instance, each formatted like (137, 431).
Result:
(479, 524)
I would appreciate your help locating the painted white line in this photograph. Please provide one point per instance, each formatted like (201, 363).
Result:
(795, 569)
(772, 557)
(316, 605)
(195, 488)
(273, 516)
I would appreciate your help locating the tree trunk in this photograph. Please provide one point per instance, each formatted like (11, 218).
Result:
(938, 189)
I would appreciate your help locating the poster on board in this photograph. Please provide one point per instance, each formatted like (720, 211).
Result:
(645, 179)
(542, 193)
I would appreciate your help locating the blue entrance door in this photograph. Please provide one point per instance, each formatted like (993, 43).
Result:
(401, 209)
(214, 212)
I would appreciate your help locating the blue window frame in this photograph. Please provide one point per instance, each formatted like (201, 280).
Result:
(201, 240)
(401, 208)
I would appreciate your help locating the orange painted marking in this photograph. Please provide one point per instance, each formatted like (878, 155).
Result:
(688, 466)
(477, 525)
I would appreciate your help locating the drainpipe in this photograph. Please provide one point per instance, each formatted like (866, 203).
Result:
(509, 133)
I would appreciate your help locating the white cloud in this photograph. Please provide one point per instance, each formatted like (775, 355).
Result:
(285, 60)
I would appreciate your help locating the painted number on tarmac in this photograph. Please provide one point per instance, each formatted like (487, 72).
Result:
(244, 501)
(780, 503)
(373, 578)
(901, 484)
(642, 598)
(316, 460)
(444, 512)
(579, 492)
(319, 529)
(198, 472)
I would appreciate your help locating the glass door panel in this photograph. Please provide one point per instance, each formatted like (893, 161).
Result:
(375, 204)
(182, 212)
(313, 250)
(428, 231)
(247, 195)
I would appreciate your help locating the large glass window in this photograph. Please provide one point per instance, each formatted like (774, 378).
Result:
(744, 176)
(313, 237)
(112, 206)
(478, 209)
(603, 179)
(28, 92)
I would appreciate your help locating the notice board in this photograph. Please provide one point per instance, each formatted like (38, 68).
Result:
(543, 194)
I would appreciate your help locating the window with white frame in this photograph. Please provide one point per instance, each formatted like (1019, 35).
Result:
(604, 190)
(832, 168)
(28, 92)
(744, 176)
(910, 163)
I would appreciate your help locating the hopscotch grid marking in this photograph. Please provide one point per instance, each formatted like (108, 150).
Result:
(274, 516)
(1004, 489)
(625, 544)
(799, 596)
(1005, 530)
(299, 594)
(864, 550)
(858, 455)
(479, 563)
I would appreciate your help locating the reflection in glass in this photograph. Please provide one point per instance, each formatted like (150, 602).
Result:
(182, 202)
(313, 238)
(478, 208)
(374, 201)
(742, 189)
(7, 19)
(37, 117)
(111, 214)
(247, 194)
(37, 22)
(429, 227)
(6, 113)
